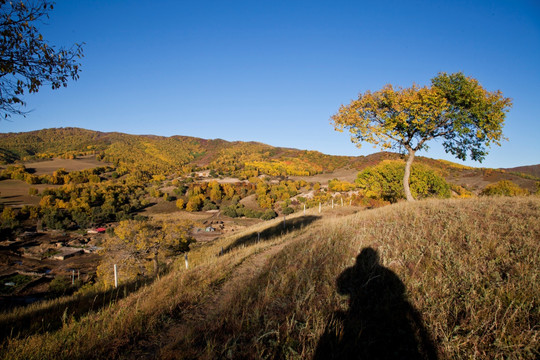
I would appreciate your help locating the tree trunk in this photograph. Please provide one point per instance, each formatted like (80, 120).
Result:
(407, 176)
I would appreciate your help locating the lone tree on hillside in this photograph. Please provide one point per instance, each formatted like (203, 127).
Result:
(27, 61)
(455, 108)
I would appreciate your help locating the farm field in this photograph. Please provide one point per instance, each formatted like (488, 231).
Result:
(49, 166)
(15, 193)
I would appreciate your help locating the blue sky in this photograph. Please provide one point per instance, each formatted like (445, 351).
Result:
(275, 71)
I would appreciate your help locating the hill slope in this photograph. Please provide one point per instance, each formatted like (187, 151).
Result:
(158, 154)
(533, 170)
(431, 279)
(151, 155)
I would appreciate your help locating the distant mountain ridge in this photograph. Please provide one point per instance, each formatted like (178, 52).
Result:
(533, 170)
(153, 154)
(163, 154)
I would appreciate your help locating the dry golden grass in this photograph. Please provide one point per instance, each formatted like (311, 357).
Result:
(15, 193)
(469, 270)
(49, 166)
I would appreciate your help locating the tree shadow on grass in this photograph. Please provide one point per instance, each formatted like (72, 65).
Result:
(380, 323)
(52, 317)
(271, 232)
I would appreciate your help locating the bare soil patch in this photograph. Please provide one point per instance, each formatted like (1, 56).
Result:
(250, 202)
(160, 207)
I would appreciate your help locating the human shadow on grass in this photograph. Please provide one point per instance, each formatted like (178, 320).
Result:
(53, 317)
(380, 323)
(272, 232)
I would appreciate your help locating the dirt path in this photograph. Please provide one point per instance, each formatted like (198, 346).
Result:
(207, 310)
(249, 269)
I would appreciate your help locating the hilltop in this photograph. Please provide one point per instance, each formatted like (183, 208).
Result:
(436, 279)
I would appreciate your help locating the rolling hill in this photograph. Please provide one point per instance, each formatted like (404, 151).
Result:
(158, 154)
(152, 154)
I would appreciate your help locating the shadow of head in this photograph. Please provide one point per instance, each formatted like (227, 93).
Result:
(367, 259)
(273, 231)
(367, 278)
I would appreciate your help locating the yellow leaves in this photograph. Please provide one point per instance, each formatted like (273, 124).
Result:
(46, 201)
(288, 166)
(390, 117)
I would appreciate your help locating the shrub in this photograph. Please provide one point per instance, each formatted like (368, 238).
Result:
(504, 188)
(460, 191)
(230, 211)
(59, 285)
(288, 210)
(385, 182)
(269, 214)
(208, 205)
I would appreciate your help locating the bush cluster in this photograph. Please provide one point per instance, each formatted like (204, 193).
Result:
(385, 182)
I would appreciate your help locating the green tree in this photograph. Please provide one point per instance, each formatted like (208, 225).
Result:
(455, 108)
(384, 182)
(27, 61)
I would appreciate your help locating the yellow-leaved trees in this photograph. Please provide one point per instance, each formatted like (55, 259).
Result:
(137, 248)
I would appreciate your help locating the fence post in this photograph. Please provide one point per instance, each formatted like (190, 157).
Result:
(185, 258)
(258, 236)
(72, 277)
(115, 277)
(319, 207)
(304, 209)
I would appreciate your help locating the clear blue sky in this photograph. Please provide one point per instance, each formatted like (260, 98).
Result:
(275, 71)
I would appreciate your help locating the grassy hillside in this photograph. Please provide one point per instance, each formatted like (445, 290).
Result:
(435, 279)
